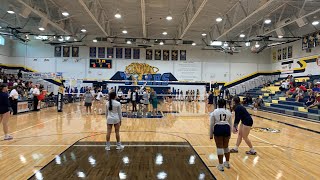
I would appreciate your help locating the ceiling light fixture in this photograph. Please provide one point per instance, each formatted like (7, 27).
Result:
(161, 43)
(225, 44)
(315, 23)
(67, 38)
(117, 15)
(124, 31)
(203, 34)
(83, 30)
(216, 43)
(129, 42)
(65, 13)
(169, 18)
(193, 44)
(247, 44)
(10, 11)
(257, 45)
(165, 33)
(242, 35)
(219, 19)
(41, 29)
(94, 40)
(280, 37)
(267, 21)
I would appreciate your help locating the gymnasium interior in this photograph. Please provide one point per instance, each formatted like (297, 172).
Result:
(176, 54)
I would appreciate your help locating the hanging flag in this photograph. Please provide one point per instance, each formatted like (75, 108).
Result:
(284, 53)
(311, 40)
(136, 53)
(66, 51)
(279, 54)
(157, 54)
(289, 52)
(149, 54)
(274, 55)
(305, 43)
(110, 52)
(75, 51)
(119, 53)
(318, 38)
(57, 51)
(101, 52)
(127, 53)
(183, 55)
(174, 55)
(93, 52)
(166, 54)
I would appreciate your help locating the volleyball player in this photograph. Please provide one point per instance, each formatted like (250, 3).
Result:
(241, 114)
(99, 99)
(5, 110)
(114, 117)
(220, 128)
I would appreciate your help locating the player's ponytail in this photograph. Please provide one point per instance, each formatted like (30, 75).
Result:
(112, 96)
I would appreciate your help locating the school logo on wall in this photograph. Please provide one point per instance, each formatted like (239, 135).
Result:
(137, 70)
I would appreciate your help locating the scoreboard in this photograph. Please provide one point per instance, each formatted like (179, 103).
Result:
(101, 63)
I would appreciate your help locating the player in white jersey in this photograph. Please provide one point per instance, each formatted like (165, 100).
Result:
(220, 129)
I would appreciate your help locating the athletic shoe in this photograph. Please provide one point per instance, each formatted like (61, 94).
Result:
(8, 137)
(227, 165)
(234, 151)
(108, 148)
(251, 152)
(120, 147)
(220, 167)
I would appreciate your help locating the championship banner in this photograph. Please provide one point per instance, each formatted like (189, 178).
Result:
(75, 51)
(66, 51)
(311, 41)
(119, 53)
(93, 52)
(274, 56)
(305, 43)
(127, 53)
(318, 38)
(101, 52)
(57, 51)
(149, 54)
(174, 55)
(166, 55)
(183, 55)
(279, 54)
(284, 53)
(110, 52)
(289, 52)
(157, 54)
(136, 53)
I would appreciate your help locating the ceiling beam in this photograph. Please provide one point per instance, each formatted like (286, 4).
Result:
(45, 18)
(93, 18)
(143, 14)
(195, 15)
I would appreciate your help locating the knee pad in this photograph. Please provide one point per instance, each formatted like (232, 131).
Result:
(220, 151)
(226, 150)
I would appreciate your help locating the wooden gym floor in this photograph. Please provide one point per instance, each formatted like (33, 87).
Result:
(70, 145)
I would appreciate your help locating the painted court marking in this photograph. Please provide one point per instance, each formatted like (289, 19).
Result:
(266, 142)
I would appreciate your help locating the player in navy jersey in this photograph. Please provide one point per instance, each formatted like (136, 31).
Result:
(220, 128)
(241, 114)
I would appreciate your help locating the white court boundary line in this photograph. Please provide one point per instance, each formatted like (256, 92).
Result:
(266, 142)
(100, 145)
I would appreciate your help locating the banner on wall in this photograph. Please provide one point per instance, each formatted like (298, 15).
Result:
(57, 51)
(136, 53)
(110, 52)
(66, 51)
(289, 52)
(274, 56)
(127, 53)
(43, 75)
(149, 54)
(188, 71)
(101, 52)
(284, 53)
(279, 54)
(75, 51)
(311, 40)
(119, 53)
(318, 38)
(157, 54)
(166, 55)
(174, 55)
(93, 52)
(286, 67)
(183, 55)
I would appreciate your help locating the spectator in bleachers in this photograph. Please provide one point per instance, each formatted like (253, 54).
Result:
(19, 74)
(300, 94)
(311, 99)
(247, 100)
(316, 102)
(291, 91)
(258, 103)
(13, 97)
(284, 85)
(316, 88)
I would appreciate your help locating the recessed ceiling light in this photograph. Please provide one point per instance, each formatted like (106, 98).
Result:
(65, 13)
(193, 44)
(10, 12)
(315, 23)
(83, 30)
(219, 19)
(164, 33)
(0, 27)
(67, 38)
(75, 39)
(41, 28)
(169, 18)
(257, 45)
(129, 42)
(225, 44)
(203, 34)
(280, 37)
(267, 21)
(94, 40)
(124, 31)
(247, 44)
(242, 35)
(161, 43)
(118, 15)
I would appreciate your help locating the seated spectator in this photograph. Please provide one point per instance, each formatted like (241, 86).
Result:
(304, 83)
(247, 100)
(258, 103)
(284, 85)
(311, 100)
(291, 91)
(316, 102)
(300, 94)
(316, 87)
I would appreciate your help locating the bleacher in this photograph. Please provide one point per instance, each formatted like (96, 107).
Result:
(276, 101)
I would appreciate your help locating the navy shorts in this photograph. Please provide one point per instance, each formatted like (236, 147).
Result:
(222, 130)
(88, 104)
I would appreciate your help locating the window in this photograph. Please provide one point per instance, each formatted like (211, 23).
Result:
(2, 41)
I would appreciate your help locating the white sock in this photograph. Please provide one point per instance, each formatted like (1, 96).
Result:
(236, 147)
(252, 150)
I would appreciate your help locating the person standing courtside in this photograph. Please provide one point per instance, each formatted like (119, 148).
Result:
(114, 117)
(220, 128)
(241, 114)
(134, 99)
(14, 100)
(35, 93)
(5, 110)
